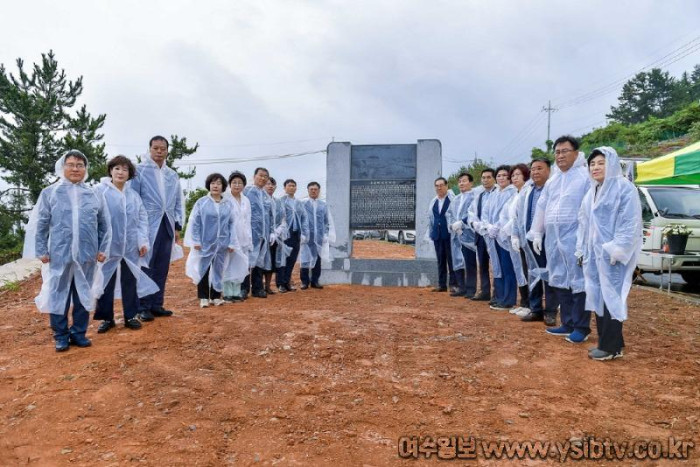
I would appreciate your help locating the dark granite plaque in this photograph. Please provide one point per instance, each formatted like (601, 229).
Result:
(383, 187)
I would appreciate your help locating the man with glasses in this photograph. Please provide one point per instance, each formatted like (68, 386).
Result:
(298, 224)
(488, 182)
(555, 224)
(316, 249)
(260, 258)
(440, 235)
(159, 188)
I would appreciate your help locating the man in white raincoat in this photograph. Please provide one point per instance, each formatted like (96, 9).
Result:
(69, 231)
(298, 234)
(462, 241)
(129, 245)
(556, 221)
(609, 242)
(278, 249)
(159, 188)
(321, 234)
(263, 233)
(476, 211)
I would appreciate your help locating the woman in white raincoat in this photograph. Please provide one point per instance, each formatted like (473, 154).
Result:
(609, 240)
(505, 284)
(69, 231)
(237, 268)
(462, 236)
(211, 237)
(519, 177)
(129, 245)
(321, 235)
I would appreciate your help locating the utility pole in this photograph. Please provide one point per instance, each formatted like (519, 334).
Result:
(549, 109)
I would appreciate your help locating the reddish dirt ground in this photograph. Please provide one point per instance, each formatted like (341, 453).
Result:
(334, 377)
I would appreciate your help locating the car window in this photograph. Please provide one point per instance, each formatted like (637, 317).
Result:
(647, 215)
(676, 202)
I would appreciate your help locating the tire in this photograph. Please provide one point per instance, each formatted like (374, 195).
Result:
(692, 278)
(402, 240)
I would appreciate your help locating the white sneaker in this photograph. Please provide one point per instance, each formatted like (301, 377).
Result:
(218, 302)
(522, 312)
(203, 303)
(514, 310)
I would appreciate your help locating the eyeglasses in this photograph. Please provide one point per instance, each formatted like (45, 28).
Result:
(236, 183)
(563, 152)
(75, 166)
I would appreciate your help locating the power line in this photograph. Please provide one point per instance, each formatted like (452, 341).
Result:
(225, 160)
(522, 133)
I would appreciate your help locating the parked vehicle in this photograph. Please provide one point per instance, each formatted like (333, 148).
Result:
(401, 236)
(664, 205)
(366, 234)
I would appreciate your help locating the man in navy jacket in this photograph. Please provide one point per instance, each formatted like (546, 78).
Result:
(440, 235)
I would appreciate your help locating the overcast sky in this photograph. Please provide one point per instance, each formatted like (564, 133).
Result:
(250, 78)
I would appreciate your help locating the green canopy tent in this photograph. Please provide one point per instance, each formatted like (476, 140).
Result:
(680, 167)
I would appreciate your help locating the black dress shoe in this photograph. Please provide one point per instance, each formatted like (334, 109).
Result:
(481, 298)
(439, 289)
(291, 289)
(132, 323)
(457, 293)
(237, 299)
(80, 341)
(146, 316)
(105, 326)
(269, 291)
(62, 346)
(550, 319)
(161, 312)
(530, 317)
(316, 286)
(260, 294)
(304, 286)
(469, 296)
(282, 289)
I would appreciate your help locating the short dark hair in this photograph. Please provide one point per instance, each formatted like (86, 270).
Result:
(158, 138)
(121, 160)
(440, 178)
(489, 169)
(466, 174)
(238, 175)
(543, 160)
(567, 139)
(77, 154)
(596, 152)
(259, 169)
(503, 167)
(213, 177)
(288, 181)
(272, 180)
(313, 183)
(523, 169)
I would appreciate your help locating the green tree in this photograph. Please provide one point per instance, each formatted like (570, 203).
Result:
(192, 198)
(474, 168)
(36, 124)
(648, 94)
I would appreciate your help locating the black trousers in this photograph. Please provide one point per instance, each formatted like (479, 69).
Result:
(609, 332)
(315, 273)
(444, 258)
(204, 290)
(130, 300)
(159, 265)
(284, 274)
(482, 255)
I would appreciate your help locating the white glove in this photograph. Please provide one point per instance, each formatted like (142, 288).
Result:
(492, 230)
(537, 245)
(613, 261)
(273, 239)
(304, 240)
(476, 226)
(515, 243)
(325, 239)
(457, 227)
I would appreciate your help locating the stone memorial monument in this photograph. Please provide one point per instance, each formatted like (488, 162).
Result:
(379, 187)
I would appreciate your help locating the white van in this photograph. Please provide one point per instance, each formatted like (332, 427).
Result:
(664, 205)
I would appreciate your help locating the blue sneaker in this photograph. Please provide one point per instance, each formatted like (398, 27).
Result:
(560, 331)
(577, 337)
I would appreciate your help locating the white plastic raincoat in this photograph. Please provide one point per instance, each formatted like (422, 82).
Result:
(518, 230)
(321, 233)
(464, 236)
(211, 226)
(129, 223)
(262, 227)
(508, 218)
(556, 218)
(161, 194)
(69, 224)
(281, 232)
(610, 239)
(491, 222)
(237, 266)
